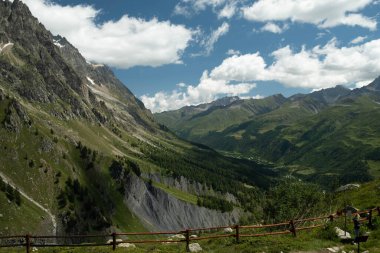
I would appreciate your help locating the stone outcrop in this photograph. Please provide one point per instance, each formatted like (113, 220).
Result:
(161, 211)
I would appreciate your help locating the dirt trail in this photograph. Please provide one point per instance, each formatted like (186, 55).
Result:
(52, 217)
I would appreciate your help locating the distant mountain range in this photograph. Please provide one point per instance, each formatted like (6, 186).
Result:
(331, 136)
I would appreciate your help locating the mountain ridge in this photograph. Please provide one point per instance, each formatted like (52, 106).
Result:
(293, 135)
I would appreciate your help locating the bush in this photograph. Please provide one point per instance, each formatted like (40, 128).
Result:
(328, 232)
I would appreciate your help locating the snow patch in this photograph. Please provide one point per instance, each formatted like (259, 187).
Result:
(90, 80)
(2, 47)
(97, 65)
(56, 42)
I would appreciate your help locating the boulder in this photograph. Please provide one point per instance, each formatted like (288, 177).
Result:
(193, 236)
(342, 234)
(334, 249)
(126, 245)
(177, 236)
(228, 230)
(347, 187)
(195, 247)
(110, 241)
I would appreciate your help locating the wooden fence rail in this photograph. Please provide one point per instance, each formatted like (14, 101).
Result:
(29, 241)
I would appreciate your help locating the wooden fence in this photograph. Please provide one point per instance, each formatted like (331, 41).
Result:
(289, 227)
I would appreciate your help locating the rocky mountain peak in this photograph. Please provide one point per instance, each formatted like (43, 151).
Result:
(375, 85)
(51, 70)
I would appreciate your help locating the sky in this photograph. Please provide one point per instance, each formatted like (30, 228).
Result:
(173, 53)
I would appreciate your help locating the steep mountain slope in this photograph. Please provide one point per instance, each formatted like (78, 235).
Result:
(75, 140)
(330, 136)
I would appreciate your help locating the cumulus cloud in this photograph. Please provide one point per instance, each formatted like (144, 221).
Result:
(206, 91)
(358, 40)
(273, 28)
(319, 67)
(315, 68)
(123, 43)
(323, 13)
(247, 67)
(223, 8)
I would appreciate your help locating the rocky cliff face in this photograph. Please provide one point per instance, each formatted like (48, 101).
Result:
(195, 188)
(47, 69)
(101, 81)
(160, 211)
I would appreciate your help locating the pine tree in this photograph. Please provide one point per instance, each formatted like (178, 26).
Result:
(17, 197)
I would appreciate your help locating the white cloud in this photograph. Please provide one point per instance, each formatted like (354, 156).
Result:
(228, 11)
(214, 37)
(233, 52)
(362, 83)
(323, 13)
(123, 43)
(252, 97)
(206, 91)
(182, 11)
(248, 67)
(181, 85)
(358, 40)
(273, 28)
(316, 68)
(319, 67)
(223, 8)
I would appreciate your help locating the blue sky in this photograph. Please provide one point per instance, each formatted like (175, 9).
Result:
(172, 53)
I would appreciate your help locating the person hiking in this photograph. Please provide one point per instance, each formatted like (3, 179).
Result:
(356, 221)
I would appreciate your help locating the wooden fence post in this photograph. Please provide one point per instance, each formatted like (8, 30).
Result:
(370, 218)
(113, 241)
(187, 240)
(27, 243)
(293, 228)
(237, 235)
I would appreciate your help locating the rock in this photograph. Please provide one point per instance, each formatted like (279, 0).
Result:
(34, 249)
(193, 236)
(365, 251)
(162, 211)
(350, 209)
(341, 234)
(195, 247)
(177, 236)
(347, 187)
(228, 230)
(334, 249)
(110, 241)
(126, 245)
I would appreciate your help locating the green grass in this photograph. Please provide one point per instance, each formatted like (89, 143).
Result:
(305, 241)
(187, 197)
(368, 195)
(374, 168)
(26, 218)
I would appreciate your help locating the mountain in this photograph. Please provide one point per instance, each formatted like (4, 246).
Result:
(80, 153)
(329, 136)
(196, 122)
